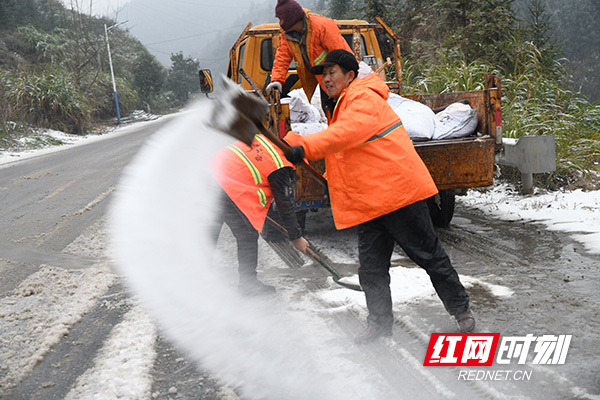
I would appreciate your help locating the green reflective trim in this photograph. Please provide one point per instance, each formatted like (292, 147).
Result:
(262, 198)
(321, 58)
(385, 132)
(253, 170)
(272, 151)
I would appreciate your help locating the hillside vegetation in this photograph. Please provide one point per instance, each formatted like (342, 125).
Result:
(55, 72)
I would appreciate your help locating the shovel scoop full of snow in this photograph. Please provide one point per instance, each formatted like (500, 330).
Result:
(237, 113)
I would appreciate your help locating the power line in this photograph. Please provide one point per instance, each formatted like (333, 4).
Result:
(199, 34)
(206, 5)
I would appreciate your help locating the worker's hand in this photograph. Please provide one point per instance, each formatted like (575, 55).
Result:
(295, 155)
(273, 86)
(301, 244)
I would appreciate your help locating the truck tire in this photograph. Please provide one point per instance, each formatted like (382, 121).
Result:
(441, 208)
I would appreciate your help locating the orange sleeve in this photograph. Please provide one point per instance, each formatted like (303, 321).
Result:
(281, 64)
(354, 125)
(332, 38)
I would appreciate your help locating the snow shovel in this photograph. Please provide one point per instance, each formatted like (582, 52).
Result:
(337, 278)
(241, 116)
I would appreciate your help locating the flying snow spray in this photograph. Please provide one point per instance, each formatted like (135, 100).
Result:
(162, 246)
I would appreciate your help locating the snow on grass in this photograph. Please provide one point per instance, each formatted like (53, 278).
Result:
(575, 212)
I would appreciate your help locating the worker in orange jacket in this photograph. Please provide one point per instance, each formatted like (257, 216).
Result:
(305, 38)
(251, 178)
(378, 182)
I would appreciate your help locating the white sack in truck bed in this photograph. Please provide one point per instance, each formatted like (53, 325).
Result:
(417, 118)
(421, 123)
(457, 120)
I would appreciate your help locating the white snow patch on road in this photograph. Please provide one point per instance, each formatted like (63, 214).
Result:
(495, 290)
(122, 369)
(41, 311)
(408, 286)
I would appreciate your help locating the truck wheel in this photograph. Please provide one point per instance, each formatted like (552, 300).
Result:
(441, 208)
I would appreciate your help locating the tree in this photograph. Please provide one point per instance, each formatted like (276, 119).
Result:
(148, 77)
(576, 29)
(539, 25)
(183, 77)
(340, 9)
(474, 29)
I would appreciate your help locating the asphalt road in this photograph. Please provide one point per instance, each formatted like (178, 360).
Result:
(48, 203)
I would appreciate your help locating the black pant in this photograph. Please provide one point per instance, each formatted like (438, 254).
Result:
(245, 235)
(412, 229)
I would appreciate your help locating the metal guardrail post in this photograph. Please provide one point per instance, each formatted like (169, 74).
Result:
(531, 155)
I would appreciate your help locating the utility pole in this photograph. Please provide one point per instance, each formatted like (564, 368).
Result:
(112, 74)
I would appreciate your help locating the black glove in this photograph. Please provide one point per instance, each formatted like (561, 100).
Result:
(296, 155)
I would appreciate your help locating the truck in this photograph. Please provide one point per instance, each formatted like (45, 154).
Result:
(454, 164)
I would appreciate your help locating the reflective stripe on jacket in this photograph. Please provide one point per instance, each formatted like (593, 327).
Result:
(322, 36)
(243, 171)
(372, 165)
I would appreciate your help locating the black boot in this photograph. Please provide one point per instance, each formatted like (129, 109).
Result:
(465, 321)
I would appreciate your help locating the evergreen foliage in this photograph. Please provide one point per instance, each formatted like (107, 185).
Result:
(183, 78)
(62, 57)
(48, 100)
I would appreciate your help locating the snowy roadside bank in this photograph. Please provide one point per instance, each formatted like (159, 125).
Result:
(574, 212)
(46, 141)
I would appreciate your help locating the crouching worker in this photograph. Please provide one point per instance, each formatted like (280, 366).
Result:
(378, 182)
(251, 178)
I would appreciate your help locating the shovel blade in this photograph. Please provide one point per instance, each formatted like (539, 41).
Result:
(237, 113)
(237, 126)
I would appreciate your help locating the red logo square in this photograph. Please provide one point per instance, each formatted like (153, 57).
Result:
(461, 349)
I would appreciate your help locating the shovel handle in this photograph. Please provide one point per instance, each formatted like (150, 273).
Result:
(387, 63)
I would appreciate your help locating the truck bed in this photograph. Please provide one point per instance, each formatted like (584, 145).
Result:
(465, 162)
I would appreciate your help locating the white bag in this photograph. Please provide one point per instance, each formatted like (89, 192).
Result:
(417, 118)
(457, 120)
(301, 111)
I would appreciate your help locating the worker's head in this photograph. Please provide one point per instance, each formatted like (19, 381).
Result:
(339, 69)
(289, 12)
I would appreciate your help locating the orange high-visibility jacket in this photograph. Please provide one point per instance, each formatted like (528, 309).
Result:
(322, 36)
(242, 172)
(372, 165)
